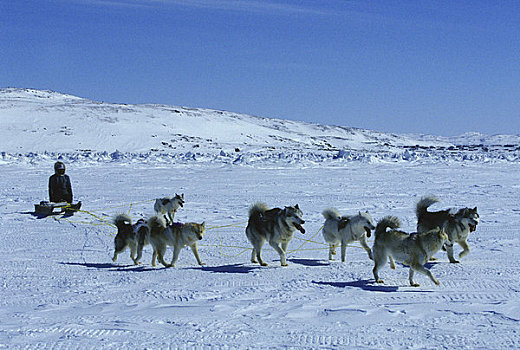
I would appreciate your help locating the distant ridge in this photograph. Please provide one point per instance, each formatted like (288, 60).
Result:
(47, 122)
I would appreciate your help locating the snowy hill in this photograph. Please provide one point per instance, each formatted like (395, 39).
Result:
(49, 123)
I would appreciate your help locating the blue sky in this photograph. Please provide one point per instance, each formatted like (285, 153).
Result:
(433, 67)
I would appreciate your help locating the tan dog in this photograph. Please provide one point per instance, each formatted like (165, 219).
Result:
(413, 250)
(177, 236)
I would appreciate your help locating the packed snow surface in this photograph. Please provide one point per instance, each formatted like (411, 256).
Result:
(61, 290)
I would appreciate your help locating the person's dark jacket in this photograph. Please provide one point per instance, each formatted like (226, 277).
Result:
(60, 189)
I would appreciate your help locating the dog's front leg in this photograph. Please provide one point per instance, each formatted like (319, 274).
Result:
(423, 270)
(449, 250)
(365, 246)
(195, 251)
(283, 258)
(171, 215)
(465, 247)
(167, 222)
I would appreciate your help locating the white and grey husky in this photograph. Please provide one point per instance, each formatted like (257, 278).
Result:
(275, 226)
(176, 235)
(134, 236)
(169, 205)
(456, 223)
(413, 250)
(345, 230)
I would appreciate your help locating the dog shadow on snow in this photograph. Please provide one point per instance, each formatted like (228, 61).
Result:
(233, 268)
(309, 262)
(363, 284)
(241, 268)
(369, 285)
(111, 266)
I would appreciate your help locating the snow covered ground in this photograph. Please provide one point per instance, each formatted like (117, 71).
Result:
(60, 289)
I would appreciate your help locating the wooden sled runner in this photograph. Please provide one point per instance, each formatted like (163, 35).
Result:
(47, 208)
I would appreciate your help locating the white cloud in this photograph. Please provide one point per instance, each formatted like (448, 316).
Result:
(253, 6)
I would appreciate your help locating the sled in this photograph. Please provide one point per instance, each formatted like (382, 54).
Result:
(47, 208)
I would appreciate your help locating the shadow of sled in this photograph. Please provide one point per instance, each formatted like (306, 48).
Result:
(40, 215)
(363, 284)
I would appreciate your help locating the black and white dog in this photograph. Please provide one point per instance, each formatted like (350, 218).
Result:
(275, 226)
(135, 236)
(456, 223)
(169, 206)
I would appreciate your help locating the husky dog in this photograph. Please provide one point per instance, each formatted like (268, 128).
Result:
(176, 235)
(456, 223)
(169, 205)
(133, 236)
(275, 226)
(346, 229)
(413, 250)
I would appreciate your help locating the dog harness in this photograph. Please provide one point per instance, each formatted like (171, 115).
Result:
(137, 226)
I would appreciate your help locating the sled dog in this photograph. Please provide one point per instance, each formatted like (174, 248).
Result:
(276, 226)
(169, 205)
(133, 236)
(456, 223)
(413, 250)
(176, 235)
(345, 230)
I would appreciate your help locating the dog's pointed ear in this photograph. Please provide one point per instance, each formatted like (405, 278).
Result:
(360, 213)
(297, 207)
(475, 209)
(203, 224)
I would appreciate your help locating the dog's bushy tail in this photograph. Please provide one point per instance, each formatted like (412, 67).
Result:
(388, 221)
(423, 204)
(122, 220)
(258, 209)
(156, 222)
(331, 214)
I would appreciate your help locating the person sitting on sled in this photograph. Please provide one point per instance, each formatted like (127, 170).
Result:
(60, 189)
